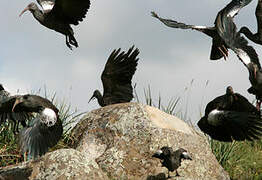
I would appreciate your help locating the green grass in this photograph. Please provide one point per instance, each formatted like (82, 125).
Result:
(9, 151)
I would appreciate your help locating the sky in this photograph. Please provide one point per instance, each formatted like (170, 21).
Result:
(33, 57)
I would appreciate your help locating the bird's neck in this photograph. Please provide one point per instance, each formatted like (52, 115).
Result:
(38, 14)
(99, 98)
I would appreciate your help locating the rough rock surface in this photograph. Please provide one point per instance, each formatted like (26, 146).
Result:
(122, 138)
(62, 164)
(117, 142)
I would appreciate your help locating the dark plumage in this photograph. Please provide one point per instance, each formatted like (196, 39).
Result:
(45, 129)
(219, 47)
(117, 78)
(257, 37)
(231, 117)
(171, 159)
(246, 53)
(59, 14)
(16, 118)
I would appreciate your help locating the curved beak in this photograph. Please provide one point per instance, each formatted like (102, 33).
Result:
(91, 98)
(26, 9)
(17, 101)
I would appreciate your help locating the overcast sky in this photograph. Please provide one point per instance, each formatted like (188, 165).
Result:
(33, 56)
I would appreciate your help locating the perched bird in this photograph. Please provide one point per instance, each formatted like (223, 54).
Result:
(59, 14)
(231, 117)
(219, 47)
(246, 53)
(117, 77)
(45, 129)
(16, 118)
(171, 159)
(257, 37)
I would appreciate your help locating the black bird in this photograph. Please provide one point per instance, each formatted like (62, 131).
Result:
(219, 47)
(59, 14)
(16, 118)
(257, 37)
(246, 53)
(45, 129)
(117, 77)
(231, 117)
(171, 159)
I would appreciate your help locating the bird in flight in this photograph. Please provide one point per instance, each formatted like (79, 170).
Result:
(59, 14)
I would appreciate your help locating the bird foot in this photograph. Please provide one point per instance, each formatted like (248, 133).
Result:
(224, 51)
(258, 104)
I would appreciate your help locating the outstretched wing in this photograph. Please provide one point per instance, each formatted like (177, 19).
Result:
(174, 24)
(117, 76)
(70, 11)
(259, 18)
(45, 129)
(233, 125)
(228, 31)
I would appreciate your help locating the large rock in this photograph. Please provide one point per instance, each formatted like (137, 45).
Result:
(58, 165)
(117, 142)
(122, 138)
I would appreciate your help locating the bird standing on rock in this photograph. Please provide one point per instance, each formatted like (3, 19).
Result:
(44, 131)
(59, 14)
(171, 159)
(117, 78)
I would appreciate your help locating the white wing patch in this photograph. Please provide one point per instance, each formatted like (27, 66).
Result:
(213, 117)
(233, 12)
(47, 5)
(243, 56)
(48, 117)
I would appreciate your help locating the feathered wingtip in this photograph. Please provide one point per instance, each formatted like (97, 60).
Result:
(153, 14)
(36, 140)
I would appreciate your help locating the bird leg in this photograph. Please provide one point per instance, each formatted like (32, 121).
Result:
(258, 104)
(177, 174)
(224, 51)
(68, 44)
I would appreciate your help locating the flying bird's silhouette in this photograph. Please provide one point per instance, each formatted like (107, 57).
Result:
(246, 53)
(257, 37)
(171, 159)
(219, 47)
(231, 117)
(59, 14)
(45, 129)
(16, 118)
(117, 78)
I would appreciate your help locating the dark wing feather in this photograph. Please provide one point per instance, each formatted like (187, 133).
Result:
(117, 76)
(6, 105)
(39, 136)
(175, 24)
(228, 31)
(235, 125)
(70, 11)
(259, 18)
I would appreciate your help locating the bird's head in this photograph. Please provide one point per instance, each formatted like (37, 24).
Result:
(28, 103)
(96, 94)
(31, 7)
(184, 154)
(229, 90)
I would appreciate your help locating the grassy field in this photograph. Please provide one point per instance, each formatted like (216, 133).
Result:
(242, 160)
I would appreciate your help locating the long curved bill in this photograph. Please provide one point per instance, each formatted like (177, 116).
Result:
(26, 9)
(17, 101)
(91, 98)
